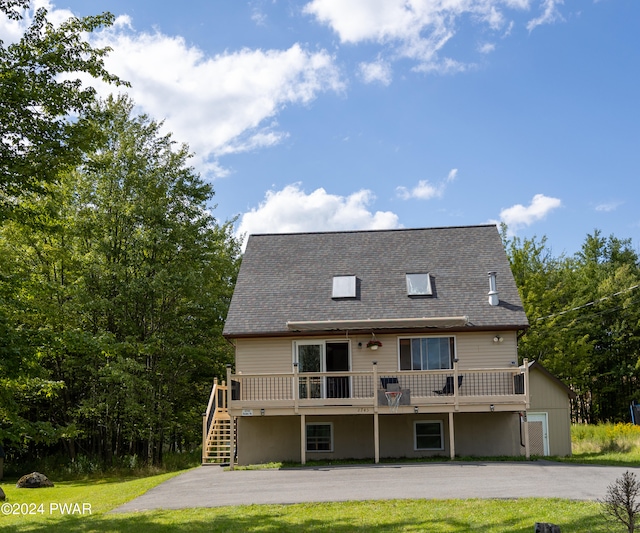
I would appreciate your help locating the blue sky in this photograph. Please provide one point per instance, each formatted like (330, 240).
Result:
(354, 114)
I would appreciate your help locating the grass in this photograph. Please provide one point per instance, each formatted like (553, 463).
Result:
(605, 444)
(94, 496)
(517, 516)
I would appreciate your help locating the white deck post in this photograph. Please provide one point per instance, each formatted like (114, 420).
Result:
(232, 419)
(527, 398)
(452, 437)
(376, 427)
(303, 439)
(527, 451)
(204, 437)
(456, 391)
(296, 388)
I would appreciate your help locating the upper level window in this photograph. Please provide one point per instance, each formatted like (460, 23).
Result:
(426, 353)
(344, 287)
(418, 284)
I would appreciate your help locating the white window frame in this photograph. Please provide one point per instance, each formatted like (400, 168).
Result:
(452, 356)
(323, 359)
(415, 435)
(306, 437)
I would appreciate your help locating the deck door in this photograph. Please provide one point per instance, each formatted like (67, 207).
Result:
(321, 356)
(310, 357)
(337, 360)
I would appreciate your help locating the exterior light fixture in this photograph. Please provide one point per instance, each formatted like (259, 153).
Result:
(492, 407)
(262, 412)
(498, 338)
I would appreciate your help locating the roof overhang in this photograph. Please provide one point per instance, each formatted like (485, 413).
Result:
(378, 323)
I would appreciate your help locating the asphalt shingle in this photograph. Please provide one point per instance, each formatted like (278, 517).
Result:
(288, 277)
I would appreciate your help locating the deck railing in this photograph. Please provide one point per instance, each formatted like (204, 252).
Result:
(328, 388)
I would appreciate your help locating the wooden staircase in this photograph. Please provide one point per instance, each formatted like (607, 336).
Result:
(217, 440)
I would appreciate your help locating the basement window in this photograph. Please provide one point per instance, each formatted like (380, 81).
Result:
(319, 437)
(344, 287)
(427, 435)
(419, 285)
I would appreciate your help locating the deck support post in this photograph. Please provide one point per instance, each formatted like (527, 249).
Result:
(376, 439)
(452, 437)
(303, 439)
(376, 426)
(232, 420)
(527, 450)
(456, 390)
(204, 437)
(296, 388)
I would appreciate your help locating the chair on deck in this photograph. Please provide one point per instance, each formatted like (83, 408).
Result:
(448, 386)
(390, 383)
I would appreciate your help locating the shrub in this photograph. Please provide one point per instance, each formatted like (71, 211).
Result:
(620, 502)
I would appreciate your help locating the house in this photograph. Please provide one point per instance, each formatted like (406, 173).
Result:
(375, 344)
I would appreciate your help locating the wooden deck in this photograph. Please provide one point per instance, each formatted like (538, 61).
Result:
(499, 389)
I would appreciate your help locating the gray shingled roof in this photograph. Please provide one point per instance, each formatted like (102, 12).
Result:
(288, 277)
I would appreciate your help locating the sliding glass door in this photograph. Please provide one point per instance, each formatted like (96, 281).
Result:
(323, 356)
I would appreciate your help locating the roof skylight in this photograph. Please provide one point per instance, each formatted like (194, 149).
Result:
(419, 285)
(344, 287)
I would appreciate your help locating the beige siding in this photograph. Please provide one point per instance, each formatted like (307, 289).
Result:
(548, 396)
(487, 434)
(478, 350)
(265, 439)
(474, 350)
(261, 356)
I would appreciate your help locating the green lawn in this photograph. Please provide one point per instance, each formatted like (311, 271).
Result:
(391, 515)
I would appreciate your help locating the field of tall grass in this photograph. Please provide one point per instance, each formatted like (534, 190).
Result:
(608, 444)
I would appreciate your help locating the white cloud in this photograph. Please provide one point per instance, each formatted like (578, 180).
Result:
(608, 207)
(486, 48)
(292, 210)
(425, 190)
(420, 29)
(550, 14)
(12, 30)
(519, 216)
(259, 17)
(376, 71)
(217, 104)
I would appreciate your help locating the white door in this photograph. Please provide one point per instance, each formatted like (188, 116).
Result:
(538, 433)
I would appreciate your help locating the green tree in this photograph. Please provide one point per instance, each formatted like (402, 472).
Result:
(40, 94)
(607, 321)
(128, 277)
(584, 319)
